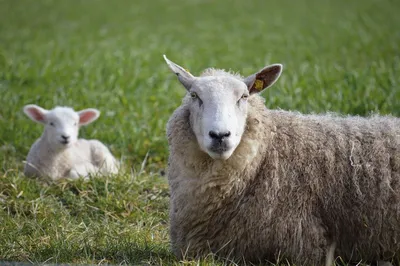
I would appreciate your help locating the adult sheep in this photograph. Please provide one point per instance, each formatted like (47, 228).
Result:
(58, 153)
(254, 184)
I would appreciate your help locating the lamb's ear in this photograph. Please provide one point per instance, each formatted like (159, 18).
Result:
(263, 79)
(184, 76)
(87, 116)
(36, 113)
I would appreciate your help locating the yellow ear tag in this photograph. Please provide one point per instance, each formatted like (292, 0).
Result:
(187, 70)
(258, 84)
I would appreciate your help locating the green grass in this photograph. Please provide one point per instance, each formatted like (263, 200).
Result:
(340, 56)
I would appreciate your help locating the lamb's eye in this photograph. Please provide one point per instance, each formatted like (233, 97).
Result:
(52, 124)
(75, 124)
(193, 95)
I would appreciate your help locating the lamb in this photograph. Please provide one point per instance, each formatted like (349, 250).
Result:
(58, 153)
(253, 184)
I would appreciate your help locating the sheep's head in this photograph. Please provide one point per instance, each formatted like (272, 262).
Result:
(61, 123)
(218, 105)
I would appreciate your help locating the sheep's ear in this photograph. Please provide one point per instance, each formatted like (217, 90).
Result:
(87, 116)
(36, 113)
(263, 79)
(184, 76)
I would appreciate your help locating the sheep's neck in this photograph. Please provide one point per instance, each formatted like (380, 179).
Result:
(53, 156)
(224, 178)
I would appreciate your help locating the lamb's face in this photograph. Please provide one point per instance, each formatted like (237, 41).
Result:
(218, 112)
(61, 123)
(62, 127)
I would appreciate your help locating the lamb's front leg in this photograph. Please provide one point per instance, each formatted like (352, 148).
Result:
(82, 170)
(102, 158)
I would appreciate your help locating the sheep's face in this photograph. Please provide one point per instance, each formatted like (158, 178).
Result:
(62, 127)
(218, 111)
(61, 123)
(218, 105)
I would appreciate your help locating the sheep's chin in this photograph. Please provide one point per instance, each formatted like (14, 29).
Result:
(221, 156)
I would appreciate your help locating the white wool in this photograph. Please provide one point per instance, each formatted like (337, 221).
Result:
(58, 153)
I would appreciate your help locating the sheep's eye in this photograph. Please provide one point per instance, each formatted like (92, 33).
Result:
(244, 97)
(75, 124)
(52, 124)
(193, 95)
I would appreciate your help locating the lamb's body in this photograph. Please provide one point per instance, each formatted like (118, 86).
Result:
(58, 153)
(294, 185)
(83, 158)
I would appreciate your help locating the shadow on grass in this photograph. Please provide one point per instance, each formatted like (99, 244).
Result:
(121, 253)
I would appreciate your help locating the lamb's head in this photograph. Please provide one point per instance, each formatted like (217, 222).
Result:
(218, 105)
(61, 123)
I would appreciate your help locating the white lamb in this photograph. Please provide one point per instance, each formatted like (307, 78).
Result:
(58, 153)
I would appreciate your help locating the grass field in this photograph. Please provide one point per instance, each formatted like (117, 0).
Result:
(341, 56)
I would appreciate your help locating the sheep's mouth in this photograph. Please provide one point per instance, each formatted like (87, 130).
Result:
(218, 150)
(65, 142)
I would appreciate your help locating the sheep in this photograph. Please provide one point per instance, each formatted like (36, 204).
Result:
(58, 153)
(252, 184)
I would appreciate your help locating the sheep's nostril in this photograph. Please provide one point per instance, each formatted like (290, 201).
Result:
(219, 135)
(65, 137)
(213, 134)
(227, 134)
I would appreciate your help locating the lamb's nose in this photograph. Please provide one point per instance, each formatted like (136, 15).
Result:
(65, 137)
(219, 135)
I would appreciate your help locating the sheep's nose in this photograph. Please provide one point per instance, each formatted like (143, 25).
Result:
(65, 137)
(219, 135)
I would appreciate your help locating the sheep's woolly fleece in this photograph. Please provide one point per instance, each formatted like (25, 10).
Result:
(294, 186)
